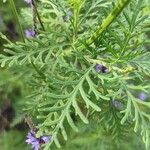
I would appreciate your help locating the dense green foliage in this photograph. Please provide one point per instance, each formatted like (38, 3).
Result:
(57, 71)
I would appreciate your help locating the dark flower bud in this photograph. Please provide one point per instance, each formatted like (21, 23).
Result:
(117, 104)
(101, 68)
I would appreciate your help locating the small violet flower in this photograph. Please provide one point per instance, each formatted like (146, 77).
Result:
(103, 69)
(67, 17)
(36, 142)
(28, 1)
(142, 96)
(30, 33)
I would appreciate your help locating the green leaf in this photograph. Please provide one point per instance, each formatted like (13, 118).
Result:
(78, 111)
(87, 101)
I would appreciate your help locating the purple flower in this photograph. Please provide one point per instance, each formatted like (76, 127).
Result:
(28, 1)
(30, 33)
(142, 96)
(102, 68)
(36, 142)
(31, 139)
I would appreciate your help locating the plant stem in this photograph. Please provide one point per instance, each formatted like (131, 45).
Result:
(37, 13)
(105, 24)
(13, 7)
(39, 18)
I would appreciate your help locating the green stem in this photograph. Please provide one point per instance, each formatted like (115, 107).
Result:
(75, 21)
(13, 7)
(39, 18)
(38, 15)
(105, 24)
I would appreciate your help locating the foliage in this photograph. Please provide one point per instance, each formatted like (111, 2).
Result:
(13, 138)
(58, 67)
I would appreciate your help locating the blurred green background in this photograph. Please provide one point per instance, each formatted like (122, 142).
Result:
(13, 130)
